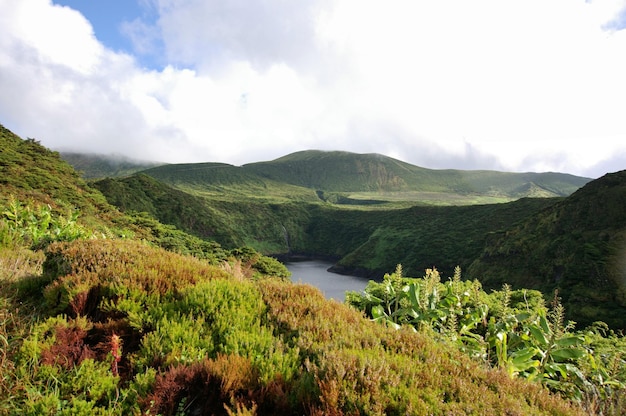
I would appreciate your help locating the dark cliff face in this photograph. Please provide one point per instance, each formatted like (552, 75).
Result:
(577, 246)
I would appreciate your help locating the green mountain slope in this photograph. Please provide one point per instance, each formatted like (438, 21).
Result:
(577, 246)
(418, 237)
(42, 192)
(28, 170)
(352, 172)
(351, 178)
(217, 179)
(367, 242)
(115, 325)
(342, 171)
(143, 193)
(228, 220)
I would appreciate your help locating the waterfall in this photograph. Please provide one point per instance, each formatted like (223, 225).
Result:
(286, 236)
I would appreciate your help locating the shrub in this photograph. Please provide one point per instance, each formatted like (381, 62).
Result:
(139, 330)
(351, 366)
(36, 225)
(517, 334)
(115, 269)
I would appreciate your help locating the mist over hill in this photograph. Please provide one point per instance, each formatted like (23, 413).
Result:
(95, 166)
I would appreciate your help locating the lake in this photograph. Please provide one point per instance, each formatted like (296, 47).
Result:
(333, 285)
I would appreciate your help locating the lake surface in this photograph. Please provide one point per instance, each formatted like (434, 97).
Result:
(333, 285)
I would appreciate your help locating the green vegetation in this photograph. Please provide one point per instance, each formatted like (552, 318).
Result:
(36, 226)
(359, 179)
(373, 240)
(417, 237)
(111, 313)
(215, 180)
(30, 171)
(576, 246)
(130, 329)
(350, 172)
(142, 193)
(370, 213)
(510, 330)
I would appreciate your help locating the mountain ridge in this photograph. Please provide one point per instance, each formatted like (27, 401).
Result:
(372, 174)
(343, 171)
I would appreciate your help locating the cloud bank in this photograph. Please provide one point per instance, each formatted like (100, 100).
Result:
(525, 86)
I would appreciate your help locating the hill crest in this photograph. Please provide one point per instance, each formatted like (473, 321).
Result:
(346, 172)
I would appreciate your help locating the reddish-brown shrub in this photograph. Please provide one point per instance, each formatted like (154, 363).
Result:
(99, 339)
(69, 348)
(205, 388)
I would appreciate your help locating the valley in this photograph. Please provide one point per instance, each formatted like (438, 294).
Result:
(370, 213)
(157, 289)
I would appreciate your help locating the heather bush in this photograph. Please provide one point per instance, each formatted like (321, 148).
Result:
(91, 270)
(134, 329)
(216, 317)
(16, 319)
(356, 367)
(62, 373)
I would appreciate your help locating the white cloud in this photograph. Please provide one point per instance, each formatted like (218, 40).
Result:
(50, 32)
(486, 84)
(211, 33)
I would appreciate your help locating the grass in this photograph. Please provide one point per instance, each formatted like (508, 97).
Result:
(431, 198)
(16, 318)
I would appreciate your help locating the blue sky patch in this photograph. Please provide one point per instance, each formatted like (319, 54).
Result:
(108, 17)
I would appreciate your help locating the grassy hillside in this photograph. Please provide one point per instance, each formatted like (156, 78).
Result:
(351, 172)
(576, 246)
(29, 170)
(219, 180)
(225, 218)
(142, 193)
(361, 179)
(114, 325)
(368, 242)
(42, 196)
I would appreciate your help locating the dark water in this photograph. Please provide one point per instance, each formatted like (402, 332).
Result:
(333, 285)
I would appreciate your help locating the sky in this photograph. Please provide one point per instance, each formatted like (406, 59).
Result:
(532, 85)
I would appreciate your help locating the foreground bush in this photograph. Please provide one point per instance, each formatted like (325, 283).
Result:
(130, 329)
(510, 330)
(36, 225)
